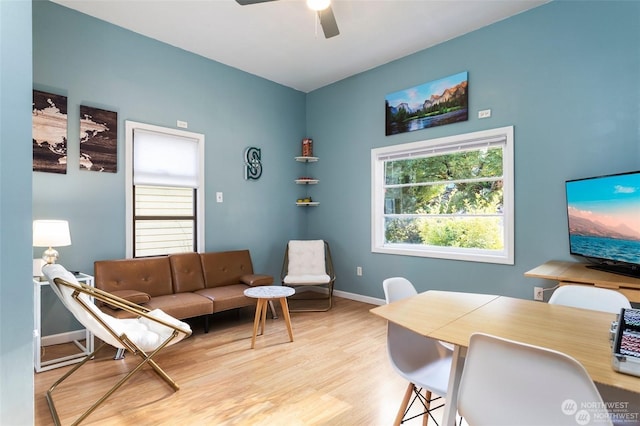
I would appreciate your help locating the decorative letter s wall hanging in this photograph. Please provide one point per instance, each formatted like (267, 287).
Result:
(252, 159)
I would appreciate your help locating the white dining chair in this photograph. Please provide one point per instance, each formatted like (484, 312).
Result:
(512, 383)
(422, 361)
(589, 297)
(605, 300)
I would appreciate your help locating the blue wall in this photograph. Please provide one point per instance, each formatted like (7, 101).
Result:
(16, 291)
(101, 65)
(565, 75)
(98, 64)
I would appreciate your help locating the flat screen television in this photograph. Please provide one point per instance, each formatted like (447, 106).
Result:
(604, 221)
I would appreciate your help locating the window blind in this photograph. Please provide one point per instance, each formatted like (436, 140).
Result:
(166, 160)
(469, 145)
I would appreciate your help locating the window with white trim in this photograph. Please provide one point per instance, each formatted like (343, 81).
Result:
(449, 198)
(164, 189)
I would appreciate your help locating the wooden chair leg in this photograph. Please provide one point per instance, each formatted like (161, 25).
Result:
(403, 406)
(427, 404)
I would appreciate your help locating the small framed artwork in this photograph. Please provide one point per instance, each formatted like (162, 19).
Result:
(436, 103)
(98, 140)
(49, 132)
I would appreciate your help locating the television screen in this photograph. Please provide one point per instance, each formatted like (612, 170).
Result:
(604, 221)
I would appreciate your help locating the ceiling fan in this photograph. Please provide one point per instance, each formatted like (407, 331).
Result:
(325, 14)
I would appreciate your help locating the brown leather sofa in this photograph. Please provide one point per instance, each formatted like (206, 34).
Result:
(184, 285)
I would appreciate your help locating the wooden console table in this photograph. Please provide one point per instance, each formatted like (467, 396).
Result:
(578, 273)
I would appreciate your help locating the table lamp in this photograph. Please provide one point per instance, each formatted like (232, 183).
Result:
(51, 233)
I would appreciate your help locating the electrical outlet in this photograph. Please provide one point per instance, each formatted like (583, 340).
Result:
(359, 271)
(538, 293)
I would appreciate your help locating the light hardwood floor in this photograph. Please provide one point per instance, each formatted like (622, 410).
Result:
(336, 372)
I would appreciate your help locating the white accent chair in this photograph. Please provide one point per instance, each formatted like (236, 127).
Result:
(308, 268)
(590, 297)
(144, 336)
(511, 383)
(423, 362)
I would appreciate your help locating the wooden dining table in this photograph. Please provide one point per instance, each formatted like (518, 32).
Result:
(453, 317)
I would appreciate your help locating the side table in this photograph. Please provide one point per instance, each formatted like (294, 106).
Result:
(266, 294)
(85, 349)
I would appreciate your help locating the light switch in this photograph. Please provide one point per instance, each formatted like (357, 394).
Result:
(218, 197)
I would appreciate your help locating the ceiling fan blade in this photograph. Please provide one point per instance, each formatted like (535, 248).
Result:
(328, 22)
(246, 2)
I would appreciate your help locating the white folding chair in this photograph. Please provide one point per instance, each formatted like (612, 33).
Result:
(511, 383)
(422, 361)
(144, 336)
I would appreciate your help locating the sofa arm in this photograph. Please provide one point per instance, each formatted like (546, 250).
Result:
(132, 296)
(256, 279)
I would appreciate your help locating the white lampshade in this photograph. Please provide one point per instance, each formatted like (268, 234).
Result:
(318, 4)
(51, 233)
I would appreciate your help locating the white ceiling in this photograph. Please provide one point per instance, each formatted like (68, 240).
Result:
(282, 40)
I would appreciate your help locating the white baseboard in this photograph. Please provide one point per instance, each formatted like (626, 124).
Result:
(346, 295)
(359, 297)
(69, 336)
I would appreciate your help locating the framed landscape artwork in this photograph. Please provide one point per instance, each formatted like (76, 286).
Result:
(98, 140)
(436, 103)
(49, 132)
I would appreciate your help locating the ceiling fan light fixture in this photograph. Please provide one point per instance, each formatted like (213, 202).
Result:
(318, 4)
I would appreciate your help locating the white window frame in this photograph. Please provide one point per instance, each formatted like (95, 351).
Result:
(444, 144)
(130, 126)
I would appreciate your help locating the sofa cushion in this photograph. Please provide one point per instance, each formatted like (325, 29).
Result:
(306, 258)
(151, 275)
(182, 305)
(186, 272)
(224, 268)
(227, 297)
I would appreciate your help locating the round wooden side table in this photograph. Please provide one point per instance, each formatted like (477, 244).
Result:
(264, 294)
